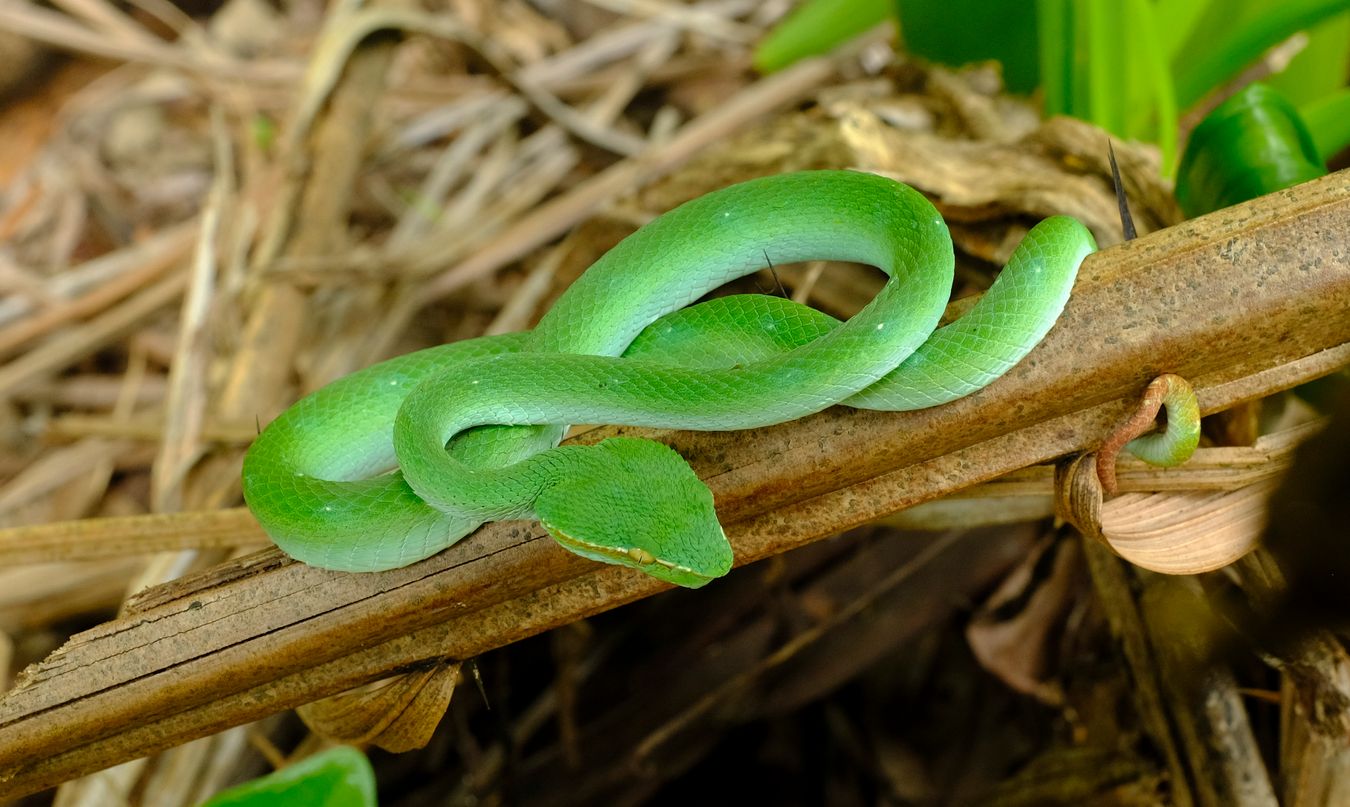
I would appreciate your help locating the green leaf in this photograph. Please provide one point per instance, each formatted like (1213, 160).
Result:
(338, 777)
(1252, 144)
(815, 27)
(1233, 34)
(1176, 19)
(958, 32)
(1328, 121)
(1319, 69)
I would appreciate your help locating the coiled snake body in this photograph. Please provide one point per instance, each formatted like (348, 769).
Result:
(318, 477)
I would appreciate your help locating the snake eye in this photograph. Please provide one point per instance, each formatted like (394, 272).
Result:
(641, 556)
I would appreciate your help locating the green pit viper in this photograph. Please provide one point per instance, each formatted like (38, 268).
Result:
(625, 346)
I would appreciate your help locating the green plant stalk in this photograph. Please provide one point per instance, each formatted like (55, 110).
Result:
(1103, 88)
(1054, 20)
(1159, 78)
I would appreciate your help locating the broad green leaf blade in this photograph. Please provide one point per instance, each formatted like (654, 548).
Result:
(815, 27)
(1250, 145)
(1231, 35)
(1319, 69)
(958, 32)
(338, 777)
(1328, 122)
(1176, 19)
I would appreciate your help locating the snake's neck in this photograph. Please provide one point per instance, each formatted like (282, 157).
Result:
(454, 487)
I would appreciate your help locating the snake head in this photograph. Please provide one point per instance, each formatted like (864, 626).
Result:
(637, 503)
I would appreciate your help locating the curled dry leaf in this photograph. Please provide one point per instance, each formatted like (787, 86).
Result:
(1014, 636)
(397, 714)
(1186, 533)
(1181, 531)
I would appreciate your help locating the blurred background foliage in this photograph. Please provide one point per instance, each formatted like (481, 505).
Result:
(1144, 70)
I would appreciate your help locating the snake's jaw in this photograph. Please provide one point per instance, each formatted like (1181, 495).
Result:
(639, 504)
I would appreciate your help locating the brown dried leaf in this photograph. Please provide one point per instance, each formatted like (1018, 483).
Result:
(397, 714)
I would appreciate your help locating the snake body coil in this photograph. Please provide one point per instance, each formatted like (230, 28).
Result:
(318, 477)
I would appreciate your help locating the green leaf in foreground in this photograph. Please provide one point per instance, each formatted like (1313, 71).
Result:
(1252, 144)
(338, 777)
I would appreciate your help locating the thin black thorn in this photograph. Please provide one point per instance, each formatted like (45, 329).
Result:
(478, 680)
(1126, 220)
(257, 424)
(782, 292)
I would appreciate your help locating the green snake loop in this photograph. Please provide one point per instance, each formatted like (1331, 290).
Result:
(319, 478)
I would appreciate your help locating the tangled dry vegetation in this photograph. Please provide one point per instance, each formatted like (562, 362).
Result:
(208, 210)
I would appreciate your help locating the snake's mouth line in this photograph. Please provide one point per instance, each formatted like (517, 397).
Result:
(626, 556)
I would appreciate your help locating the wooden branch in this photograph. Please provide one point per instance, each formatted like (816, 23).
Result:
(1242, 302)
